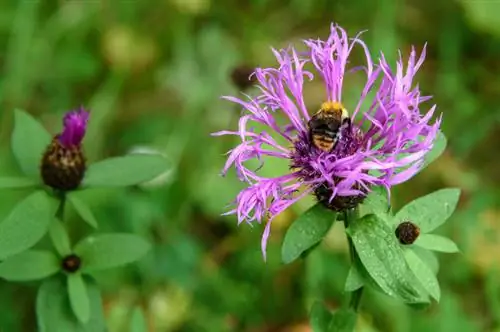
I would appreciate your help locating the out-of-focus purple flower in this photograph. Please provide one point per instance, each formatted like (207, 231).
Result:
(385, 145)
(75, 126)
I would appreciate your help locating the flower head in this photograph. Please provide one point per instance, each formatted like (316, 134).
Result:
(75, 126)
(63, 163)
(383, 141)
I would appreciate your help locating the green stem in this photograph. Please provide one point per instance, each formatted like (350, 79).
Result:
(349, 217)
(62, 203)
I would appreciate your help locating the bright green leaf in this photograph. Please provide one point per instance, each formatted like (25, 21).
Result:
(29, 141)
(306, 231)
(428, 257)
(59, 238)
(82, 209)
(125, 171)
(376, 202)
(424, 273)
(319, 317)
(26, 224)
(437, 149)
(354, 280)
(110, 250)
(138, 321)
(436, 243)
(383, 259)
(54, 311)
(13, 182)
(430, 211)
(29, 265)
(343, 320)
(78, 297)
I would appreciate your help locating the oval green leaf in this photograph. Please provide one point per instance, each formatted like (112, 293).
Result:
(29, 141)
(29, 265)
(424, 273)
(354, 280)
(16, 182)
(54, 311)
(343, 320)
(383, 259)
(125, 171)
(26, 224)
(428, 257)
(430, 211)
(60, 238)
(110, 250)
(436, 243)
(438, 147)
(306, 231)
(78, 297)
(319, 318)
(83, 210)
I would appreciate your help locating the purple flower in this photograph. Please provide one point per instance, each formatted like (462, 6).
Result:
(75, 125)
(385, 145)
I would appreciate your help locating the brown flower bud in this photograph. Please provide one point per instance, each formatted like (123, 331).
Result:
(407, 232)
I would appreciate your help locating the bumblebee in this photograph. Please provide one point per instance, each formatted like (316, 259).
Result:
(325, 127)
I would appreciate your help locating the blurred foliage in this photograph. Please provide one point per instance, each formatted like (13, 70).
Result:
(152, 73)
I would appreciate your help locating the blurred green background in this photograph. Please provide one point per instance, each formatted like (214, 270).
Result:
(152, 73)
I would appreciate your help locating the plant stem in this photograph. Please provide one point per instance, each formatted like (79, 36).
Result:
(62, 203)
(349, 217)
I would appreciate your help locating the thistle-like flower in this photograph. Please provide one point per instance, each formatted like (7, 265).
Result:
(63, 163)
(382, 144)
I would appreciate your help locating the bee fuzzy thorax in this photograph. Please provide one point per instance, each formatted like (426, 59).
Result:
(325, 127)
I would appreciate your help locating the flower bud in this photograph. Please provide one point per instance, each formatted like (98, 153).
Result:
(407, 232)
(71, 263)
(63, 163)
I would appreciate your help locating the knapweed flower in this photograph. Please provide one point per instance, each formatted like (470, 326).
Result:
(63, 163)
(384, 145)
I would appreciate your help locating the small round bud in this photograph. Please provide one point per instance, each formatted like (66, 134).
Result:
(241, 77)
(71, 263)
(407, 232)
(63, 167)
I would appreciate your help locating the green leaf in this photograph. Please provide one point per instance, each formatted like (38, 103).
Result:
(138, 321)
(29, 141)
(424, 273)
(110, 250)
(26, 224)
(306, 231)
(376, 202)
(430, 211)
(436, 243)
(354, 280)
(15, 182)
(428, 257)
(343, 320)
(383, 259)
(125, 171)
(54, 311)
(83, 210)
(59, 238)
(29, 265)
(78, 297)
(437, 150)
(319, 317)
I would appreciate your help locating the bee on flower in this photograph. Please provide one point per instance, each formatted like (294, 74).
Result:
(338, 152)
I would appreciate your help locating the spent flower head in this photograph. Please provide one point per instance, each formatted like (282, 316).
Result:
(383, 144)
